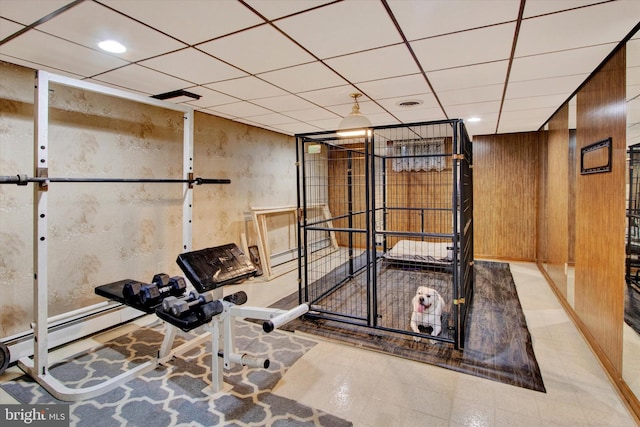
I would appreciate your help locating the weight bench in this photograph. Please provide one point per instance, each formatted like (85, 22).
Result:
(208, 270)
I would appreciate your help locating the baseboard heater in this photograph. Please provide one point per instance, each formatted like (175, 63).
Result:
(72, 326)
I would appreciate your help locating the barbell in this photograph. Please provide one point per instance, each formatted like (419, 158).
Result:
(23, 179)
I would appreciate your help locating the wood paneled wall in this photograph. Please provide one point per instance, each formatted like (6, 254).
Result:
(406, 192)
(343, 197)
(556, 208)
(505, 185)
(600, 211)
(572, 198)
(543, 172)
(411, 191)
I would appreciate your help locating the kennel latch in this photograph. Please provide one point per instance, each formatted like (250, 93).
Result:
(458, 301)
(458, 157)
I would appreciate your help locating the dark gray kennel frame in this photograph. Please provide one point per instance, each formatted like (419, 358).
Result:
(375, 213)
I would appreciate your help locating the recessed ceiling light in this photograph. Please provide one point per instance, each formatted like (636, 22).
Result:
(112, 46)
(473, 119)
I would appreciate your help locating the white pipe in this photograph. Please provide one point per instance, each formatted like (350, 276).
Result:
(250, 361)
(75, 314)
(78, 314)
(285, 317)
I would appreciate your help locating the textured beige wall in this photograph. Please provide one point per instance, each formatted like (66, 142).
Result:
(261, 166)
(100, 233)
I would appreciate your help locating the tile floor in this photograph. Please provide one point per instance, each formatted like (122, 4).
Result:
(371, 389)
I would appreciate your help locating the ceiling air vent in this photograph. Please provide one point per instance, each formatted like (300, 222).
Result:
(409, 103)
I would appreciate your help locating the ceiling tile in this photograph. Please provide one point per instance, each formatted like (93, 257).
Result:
(202, 68)
(469, 47)
(603, 23)
(59, 54)
(294, 128)
(343, 27)
(380, 119)
(377, 119)
(114, 86)
(247, 88)
(257, 50)
(313, 114)
(391, 104)
(7, 28)
(305, 77)
(18, 61)
(462, 44)
(550, 86)
(274, 9)
(395, 86)
(209, 98)
(331, 96)
(471, 95)
(533, 102)
(271, 119)
(491, 73)
(191, 21)
(419, 18)
(284, 103)
(326, 124)
(376, 64)
(576, 61)
(419, 115)
(241, 109)
(16, 10)
(142, 79)
(486, 126)
(523, 120)
(540, 7)
(90, 23)
(366, 107)
(213, 112)
(476, 109)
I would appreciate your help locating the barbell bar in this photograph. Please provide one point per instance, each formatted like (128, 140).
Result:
(22, 179)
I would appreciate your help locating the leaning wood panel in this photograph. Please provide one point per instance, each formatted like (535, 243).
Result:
(262, 219)
(600, 210)
(505, 184)
(556, 208)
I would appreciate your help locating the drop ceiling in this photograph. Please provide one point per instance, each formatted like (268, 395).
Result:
(289, 66)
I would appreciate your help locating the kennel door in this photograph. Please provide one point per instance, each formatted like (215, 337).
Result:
(334, 238)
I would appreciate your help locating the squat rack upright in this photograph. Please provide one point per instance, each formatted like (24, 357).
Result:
(39, 366)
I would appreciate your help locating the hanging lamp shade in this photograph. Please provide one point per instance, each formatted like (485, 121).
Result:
(355, 123)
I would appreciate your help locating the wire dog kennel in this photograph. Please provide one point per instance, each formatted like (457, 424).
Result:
(379, 216)
(632, 267)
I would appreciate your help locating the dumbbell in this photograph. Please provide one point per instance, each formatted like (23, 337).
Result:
(237, 298)
(206, 312)
(131, 290)
(179, 306)
(162, 286)
(149, 295)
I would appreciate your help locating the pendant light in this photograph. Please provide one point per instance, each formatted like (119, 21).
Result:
(355, 123)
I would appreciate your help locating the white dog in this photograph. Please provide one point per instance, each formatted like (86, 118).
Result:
(427, 312)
